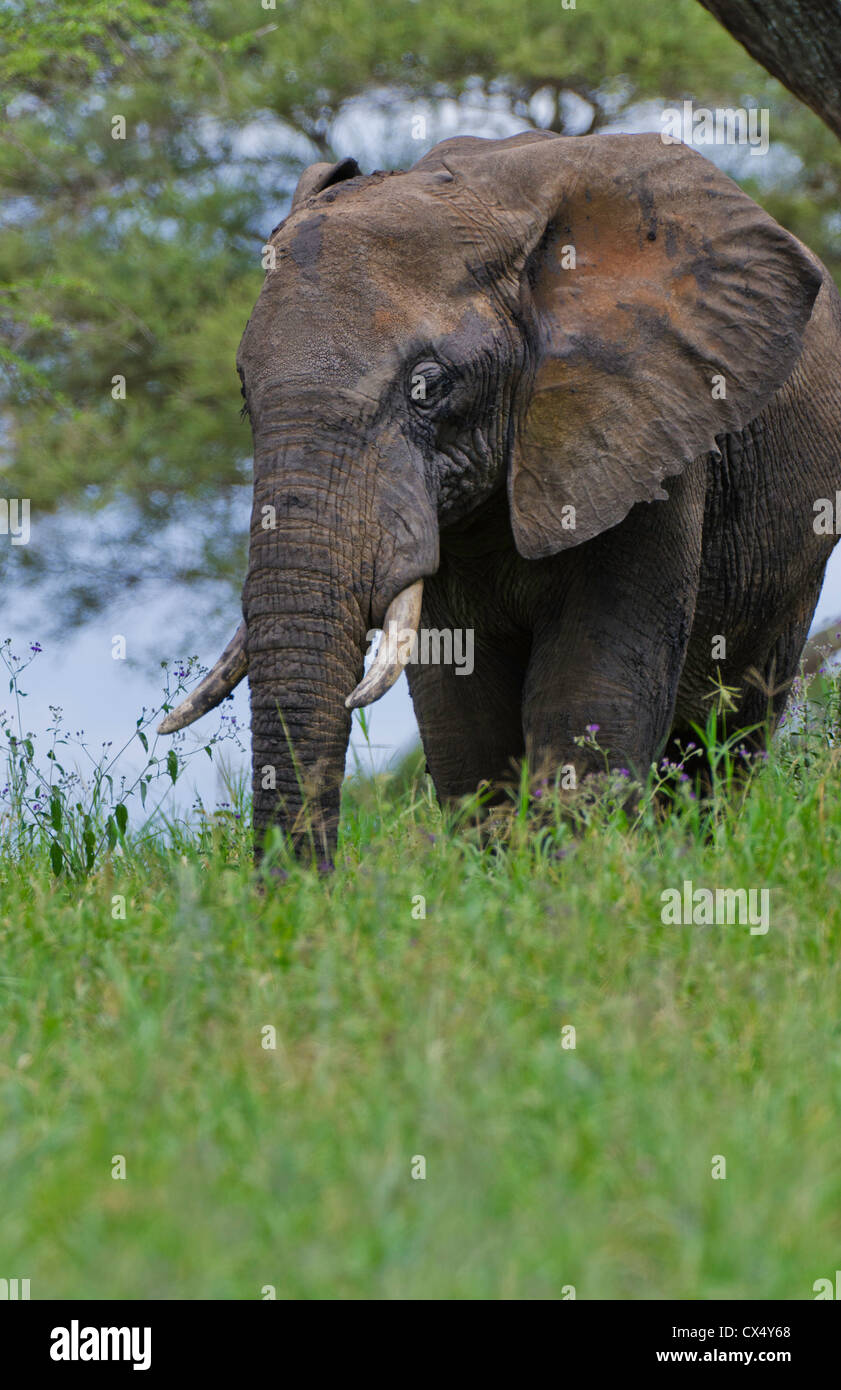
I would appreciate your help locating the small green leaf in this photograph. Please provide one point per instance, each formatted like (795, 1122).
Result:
(172, 764)
(56, 856)
(121, 817)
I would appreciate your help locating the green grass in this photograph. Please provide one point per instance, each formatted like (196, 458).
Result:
(546, 1166)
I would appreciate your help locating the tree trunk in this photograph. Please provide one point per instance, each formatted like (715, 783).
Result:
(798, 41)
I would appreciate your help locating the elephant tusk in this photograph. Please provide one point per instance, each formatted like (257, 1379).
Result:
(228, 672)
(401, 622)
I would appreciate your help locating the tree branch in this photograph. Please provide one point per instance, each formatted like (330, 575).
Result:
(798, 41)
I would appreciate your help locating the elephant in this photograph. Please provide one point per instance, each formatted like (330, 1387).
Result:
(468, 383)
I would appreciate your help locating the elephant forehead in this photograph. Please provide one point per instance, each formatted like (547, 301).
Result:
(404, 209)
(394, 241)
(350, 294)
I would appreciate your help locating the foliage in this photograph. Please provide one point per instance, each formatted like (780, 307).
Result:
(78, 816)
(139, 257)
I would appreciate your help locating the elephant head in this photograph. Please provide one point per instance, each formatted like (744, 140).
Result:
(541, 313)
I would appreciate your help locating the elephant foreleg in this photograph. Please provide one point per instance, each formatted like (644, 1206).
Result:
(471, 723)
(610, 641)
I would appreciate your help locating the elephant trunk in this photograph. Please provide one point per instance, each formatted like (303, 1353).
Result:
(305, 650)
(299, 726)
(306, 618)
(338, 545)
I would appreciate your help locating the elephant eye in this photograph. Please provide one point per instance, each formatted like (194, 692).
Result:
(428, 383)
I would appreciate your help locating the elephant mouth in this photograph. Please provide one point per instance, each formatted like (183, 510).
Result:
(401, 621)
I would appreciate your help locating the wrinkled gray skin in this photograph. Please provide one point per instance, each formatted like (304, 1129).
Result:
(549, 386)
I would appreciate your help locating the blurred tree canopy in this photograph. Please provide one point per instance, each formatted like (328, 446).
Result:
(139, 257)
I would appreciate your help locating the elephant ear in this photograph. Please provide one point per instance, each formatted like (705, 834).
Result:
(663, 308)
(320, 176)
